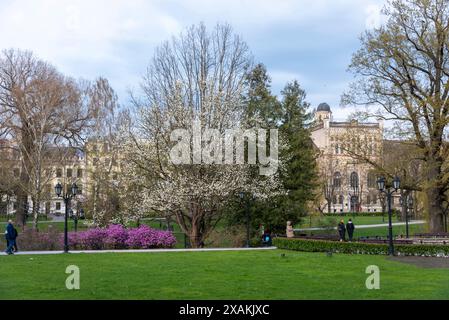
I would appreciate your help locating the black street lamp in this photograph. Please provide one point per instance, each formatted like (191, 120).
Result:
(248, 218)
(67, 197)
(388, 191)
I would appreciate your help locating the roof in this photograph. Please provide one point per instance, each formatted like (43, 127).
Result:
(323, 107)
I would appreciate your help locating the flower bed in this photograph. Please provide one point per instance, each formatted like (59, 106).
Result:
(117, 237)
(112, 237)
(309, 245)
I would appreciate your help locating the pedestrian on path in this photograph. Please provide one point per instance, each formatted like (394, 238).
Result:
(10, 235)
(342, 230)
(350, 228)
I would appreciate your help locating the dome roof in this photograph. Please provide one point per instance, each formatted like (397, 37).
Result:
(323, 107)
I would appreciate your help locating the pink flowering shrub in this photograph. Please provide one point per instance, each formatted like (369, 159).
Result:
(117, 237)
(145, 237)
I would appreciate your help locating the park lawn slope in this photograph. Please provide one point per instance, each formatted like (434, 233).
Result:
(217, 275)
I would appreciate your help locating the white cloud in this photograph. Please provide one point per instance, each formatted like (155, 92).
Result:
(116, 38)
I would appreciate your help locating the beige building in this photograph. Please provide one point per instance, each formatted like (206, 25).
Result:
(349, 181)
(91, 169)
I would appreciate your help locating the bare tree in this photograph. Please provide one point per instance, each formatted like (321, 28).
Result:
(40, 107)
(403, 68)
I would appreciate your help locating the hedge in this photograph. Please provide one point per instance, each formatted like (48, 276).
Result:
(309, 245)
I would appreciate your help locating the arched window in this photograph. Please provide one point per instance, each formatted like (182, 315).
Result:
(337, 180)
(354, 180)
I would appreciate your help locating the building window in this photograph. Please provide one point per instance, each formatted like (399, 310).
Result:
(368, 199)
(58, 173)
(80, 173)
(334, 199)
(340, 199)
(16, 172)
(371, 180)
(69, 173)
(354, 180)
(337, 180)
(58, 206)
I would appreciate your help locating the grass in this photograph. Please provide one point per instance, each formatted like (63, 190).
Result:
(317, 221)
(378, 231)
(217, 275)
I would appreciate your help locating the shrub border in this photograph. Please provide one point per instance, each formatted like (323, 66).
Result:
(309, 245)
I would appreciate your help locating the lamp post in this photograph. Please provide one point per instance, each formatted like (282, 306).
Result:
(389, 192)
(409, 207)
(79, 215)
(67, 197)
(242, 196)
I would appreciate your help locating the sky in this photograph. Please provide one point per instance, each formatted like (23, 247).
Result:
(311, 41)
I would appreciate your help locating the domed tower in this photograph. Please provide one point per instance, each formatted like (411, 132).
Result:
(323, 112)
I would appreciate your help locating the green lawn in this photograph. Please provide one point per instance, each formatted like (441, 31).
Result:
(217, 275)
(316, 221)
(378, 231)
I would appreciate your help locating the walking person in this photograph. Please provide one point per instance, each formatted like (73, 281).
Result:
(342, 230)
(350, 228)
(11, 235)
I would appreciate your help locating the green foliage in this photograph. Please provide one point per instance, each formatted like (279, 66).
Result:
(309, 245)
(298, 172)
(299, 175)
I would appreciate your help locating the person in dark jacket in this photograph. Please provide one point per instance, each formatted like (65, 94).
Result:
(350, 228)
(11, 235)
(341, 230)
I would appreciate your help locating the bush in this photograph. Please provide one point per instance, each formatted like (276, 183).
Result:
(112, 237)
(29, 240)
(116, 237)
(92, 239)
(145, 237)
(359, 248)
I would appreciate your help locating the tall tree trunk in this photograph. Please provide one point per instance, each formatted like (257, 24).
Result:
(36, 209)
(435, 194)
(435, 210)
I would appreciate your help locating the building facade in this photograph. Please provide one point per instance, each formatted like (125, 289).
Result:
(345, 151)
(64, 165)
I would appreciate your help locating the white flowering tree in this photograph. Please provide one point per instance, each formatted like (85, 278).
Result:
(194, 83)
